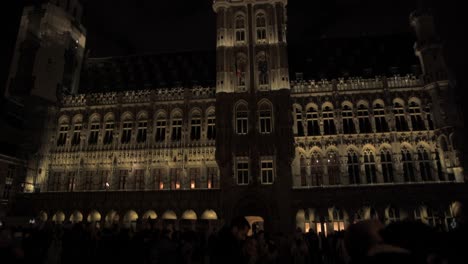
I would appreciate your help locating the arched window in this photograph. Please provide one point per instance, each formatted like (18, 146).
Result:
(240, 28)
(299, 124)
(400, 119)
(333, 168)
(142, 129)
(161, 123)
(242, 119)
(176, 134)
(424, 165)
(381, 124)
(261, 27)
(369, 166)
(63, 133)
(127, 126)
(337, 220)
(77, 126)
(241, 66)
(364, 120)
(353, 168)
(316, 169)
(440, 171)
(262, 67)
(109, 130)
(94, 132)
(211, 126)
(348, 120)
(303, 171)
(416, 118)
(328, 117)
(265, 118)
(387, 165)
(313, 128)
(392, 215)
(195, 126)
(432, 217)
(430, 123)
(408, 167)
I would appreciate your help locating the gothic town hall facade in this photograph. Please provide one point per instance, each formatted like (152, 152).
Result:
(285, 153)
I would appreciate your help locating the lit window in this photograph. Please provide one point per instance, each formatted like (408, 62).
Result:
(242, 119)
(265, 118)
(175, 178)
(94, 134)
(126, 132)
(242, 172)
(267, 172)
(142, 131)
(212, 177)
(104, 179)
(71, 181)
(109, 133)
(158, 182)
(194, 177)
(338, 220)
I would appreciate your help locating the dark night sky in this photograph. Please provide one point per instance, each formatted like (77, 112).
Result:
(122, 27)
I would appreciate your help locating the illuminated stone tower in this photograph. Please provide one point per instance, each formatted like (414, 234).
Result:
(254, 144)
(49, 51)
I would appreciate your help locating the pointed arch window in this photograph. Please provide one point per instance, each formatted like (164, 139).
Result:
(240, 29)
(424, 165)
(142, 131)
(400, 120)
(299, 123)
(440, 171)
(338, 220)
(416, 117)
(127, 127)
(369, 167)
(63, 134)
(242, 119)
(428, 113)
(432, 217)
(348, 120)
(94, 132)
(261, 28)
(333, 168)
(313, 128)
(328, 117)
(262, 67)
(393, 215)
(381, 124)
(176, 134)
(316, 169)
(353, 168)
(161, 124)
(109, 131)
(387, 165)
(364, 119)
(265, 113)
(408, 166)
(303, 171)
(241, 66)
(211, 126)
(76, 138)
(195, 126)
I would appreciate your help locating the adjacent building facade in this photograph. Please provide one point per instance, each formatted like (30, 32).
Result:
(286, 153)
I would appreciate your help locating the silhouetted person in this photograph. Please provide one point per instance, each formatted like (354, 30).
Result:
(228, 248)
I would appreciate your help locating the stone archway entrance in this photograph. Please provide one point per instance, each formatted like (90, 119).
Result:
(255, 211)
(256, 223)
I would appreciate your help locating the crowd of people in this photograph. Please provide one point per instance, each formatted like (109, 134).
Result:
(364, 242)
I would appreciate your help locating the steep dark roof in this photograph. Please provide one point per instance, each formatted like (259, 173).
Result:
(149, 71)
(326, 58)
